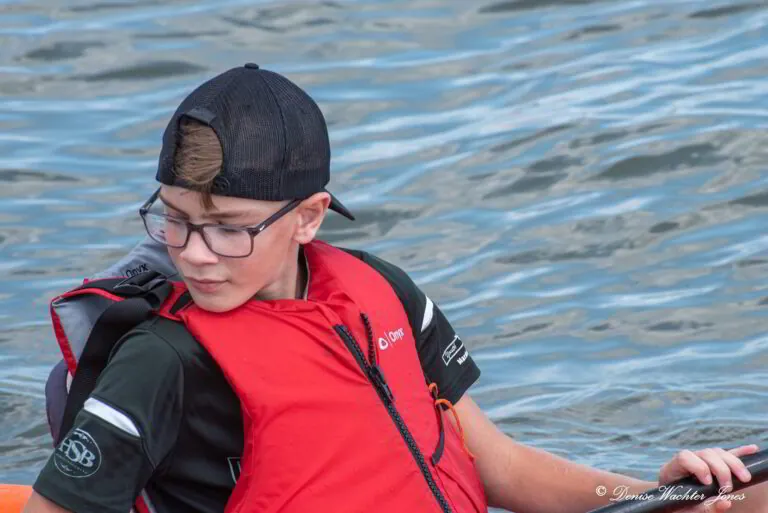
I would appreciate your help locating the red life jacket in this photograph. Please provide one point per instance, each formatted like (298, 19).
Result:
(337, 413)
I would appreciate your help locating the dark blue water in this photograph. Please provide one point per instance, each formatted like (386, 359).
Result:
(581, 185)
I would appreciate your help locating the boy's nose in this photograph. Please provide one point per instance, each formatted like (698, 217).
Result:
(197, 251)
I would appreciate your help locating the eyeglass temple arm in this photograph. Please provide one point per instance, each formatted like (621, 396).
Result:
(145, 207)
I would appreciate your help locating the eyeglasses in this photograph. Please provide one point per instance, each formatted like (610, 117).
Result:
(223, 239)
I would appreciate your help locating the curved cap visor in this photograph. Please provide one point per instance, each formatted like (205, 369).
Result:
(336, 206)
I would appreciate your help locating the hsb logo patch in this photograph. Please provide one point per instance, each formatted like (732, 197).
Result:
(78, 455)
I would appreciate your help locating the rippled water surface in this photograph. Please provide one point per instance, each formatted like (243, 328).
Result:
(581, 185)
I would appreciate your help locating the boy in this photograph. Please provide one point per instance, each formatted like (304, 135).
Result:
(296, 376)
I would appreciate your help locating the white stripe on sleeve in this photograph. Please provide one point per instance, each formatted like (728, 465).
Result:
(110, 415)
(428, 310)
(148, 502)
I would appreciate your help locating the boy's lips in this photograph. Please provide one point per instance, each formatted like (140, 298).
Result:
(205, 285)
(196, 280)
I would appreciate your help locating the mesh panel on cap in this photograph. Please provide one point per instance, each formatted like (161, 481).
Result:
(306, 166)
(252, 138)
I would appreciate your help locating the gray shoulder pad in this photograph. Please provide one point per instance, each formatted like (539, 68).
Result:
(147, 255)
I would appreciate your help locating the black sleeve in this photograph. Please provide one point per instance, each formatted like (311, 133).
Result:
(445, 359)
(126, 428)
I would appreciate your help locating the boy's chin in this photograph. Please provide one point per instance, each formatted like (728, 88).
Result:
(214, 302)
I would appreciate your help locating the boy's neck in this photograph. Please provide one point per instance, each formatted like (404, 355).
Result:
(290, 286)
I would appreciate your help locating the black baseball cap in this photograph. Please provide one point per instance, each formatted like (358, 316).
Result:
(273, 137)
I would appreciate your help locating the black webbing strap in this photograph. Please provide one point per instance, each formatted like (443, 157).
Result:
(180, 303)
(144, 293)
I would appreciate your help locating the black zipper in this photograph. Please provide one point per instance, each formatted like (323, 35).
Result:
(376, 377)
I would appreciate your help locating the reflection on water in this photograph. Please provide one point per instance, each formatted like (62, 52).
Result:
(579, 184)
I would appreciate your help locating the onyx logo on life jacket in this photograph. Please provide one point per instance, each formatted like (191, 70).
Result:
(391, 338)
(77, 455)
(453, 349)
(136, 270)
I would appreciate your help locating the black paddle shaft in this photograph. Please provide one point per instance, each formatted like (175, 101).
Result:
(672, 496)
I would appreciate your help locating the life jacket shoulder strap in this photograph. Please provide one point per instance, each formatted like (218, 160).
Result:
(140, 296)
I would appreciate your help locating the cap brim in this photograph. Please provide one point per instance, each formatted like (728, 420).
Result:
(336, 206)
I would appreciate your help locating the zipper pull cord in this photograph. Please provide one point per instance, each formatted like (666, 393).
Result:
(441, 440)
(374, 371)
(445, 402)
(369, 335)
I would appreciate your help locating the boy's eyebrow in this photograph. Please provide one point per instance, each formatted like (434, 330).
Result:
(213, 215)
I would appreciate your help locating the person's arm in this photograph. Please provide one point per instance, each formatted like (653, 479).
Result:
(524, 479)
(122, 435)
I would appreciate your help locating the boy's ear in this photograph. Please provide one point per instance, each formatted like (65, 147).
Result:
(310, 215)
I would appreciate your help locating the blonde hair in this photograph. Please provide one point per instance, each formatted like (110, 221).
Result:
(198, 158)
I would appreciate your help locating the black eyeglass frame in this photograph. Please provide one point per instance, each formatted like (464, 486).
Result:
(253, 231)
